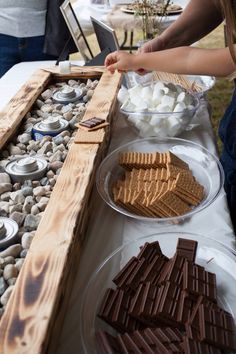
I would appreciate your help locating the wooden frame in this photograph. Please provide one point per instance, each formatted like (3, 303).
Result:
(76, 30)
(33, 317)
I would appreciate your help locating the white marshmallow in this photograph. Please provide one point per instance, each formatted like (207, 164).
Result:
(179, 107)
(146, 93)
(163, 108)
(122, 94)
(154, 121)
(168, 101)
(181, 97)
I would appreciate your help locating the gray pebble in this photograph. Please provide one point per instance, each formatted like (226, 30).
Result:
(15, 150)
(57, 156)
(39, 191)
(17, 197)
(10, 271)
(6, 296)
(4, 208)
(50, 174)
(27, 239)
(5, 187)
(3, 286)
(29, 202)
(31, 222)
(19, 264)
(16, 186)
(18, 217)
(60, 147)
(35, 184)
(13, 251)
(26, 191)
(58, 140)
(68, 116)
(39, 103)
(64, 133)
(45, 148)
(9, 260)
(16, 207)
(5, 196)
(46, 108)
(24, 138)
(54, 166)
(4, 178)
(11, 281)
(23, 253)
(35, 210)
(47, 94)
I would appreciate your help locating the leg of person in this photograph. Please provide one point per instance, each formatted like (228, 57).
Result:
(227, 132)
(9, 55)
(31, 49)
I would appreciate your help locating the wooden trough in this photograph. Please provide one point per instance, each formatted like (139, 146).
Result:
(33, 317)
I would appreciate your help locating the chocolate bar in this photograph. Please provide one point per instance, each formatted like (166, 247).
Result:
(198, 281)
(150, 250)
(187, 249)
(92, 122)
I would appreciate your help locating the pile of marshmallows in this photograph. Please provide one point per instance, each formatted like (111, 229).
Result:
(160, 109)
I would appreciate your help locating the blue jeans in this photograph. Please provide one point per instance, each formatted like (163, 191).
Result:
(15, 50)
(227, 132)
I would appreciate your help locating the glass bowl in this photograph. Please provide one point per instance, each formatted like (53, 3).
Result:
(149, 122)
(205, 167)
(211, 254)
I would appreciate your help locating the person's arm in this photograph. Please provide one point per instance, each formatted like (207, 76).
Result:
(182, 60)
(198, 19)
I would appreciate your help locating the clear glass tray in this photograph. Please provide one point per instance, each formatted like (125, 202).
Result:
(205, 167)
(211, 254)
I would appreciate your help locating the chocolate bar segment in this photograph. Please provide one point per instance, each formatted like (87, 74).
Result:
(217, 328)
(191, 346)
(149, 251)
(187, 249)
(92, 122)
(198, 281)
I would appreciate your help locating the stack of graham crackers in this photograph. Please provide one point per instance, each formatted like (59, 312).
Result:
(156, 185)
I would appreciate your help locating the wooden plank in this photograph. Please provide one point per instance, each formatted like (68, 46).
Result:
(38, 300)
(13, 113)
(81, 71)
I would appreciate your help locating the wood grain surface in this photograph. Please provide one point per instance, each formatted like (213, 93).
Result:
(34, 314)
(13, 113)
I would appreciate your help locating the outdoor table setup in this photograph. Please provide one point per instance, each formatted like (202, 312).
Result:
(118, 16)
(112, 230)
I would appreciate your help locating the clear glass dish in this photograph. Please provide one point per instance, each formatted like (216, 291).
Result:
(205, 167)
(151, 123)
(211, 254)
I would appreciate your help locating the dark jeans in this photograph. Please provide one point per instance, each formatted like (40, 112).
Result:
(15, 50)
(227, 132)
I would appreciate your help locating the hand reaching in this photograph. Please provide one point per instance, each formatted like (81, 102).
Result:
(122, 62)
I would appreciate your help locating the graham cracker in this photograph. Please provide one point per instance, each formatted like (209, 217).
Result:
(86, 137)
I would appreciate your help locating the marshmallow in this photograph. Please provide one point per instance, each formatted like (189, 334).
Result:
(168, 101)
(122, 94)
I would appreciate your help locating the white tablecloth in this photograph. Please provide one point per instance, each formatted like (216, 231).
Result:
(108, 229)
(84, 9)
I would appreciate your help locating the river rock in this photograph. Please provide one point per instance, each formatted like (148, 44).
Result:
(57, 156)
(24, 138)
(13, 251)
(47, 94)
(68, 115)
(14, 150)
(46, 108)
(54, 166)
(23, 253)
(39, 103)
(27, 239)
(45, 148)
(10, 271)
(58, 140)
(39, 191)
(16, 186)
(16, 207)
(5, 178)
(5, 187)
(18, 217)
(3, 286)
(19, 264)
(4, 208)
(9, 260)
(26, 191)
(35, 210)
(6, 296)
(17, 197)
(31, 222)
(29, 202)
(50, 174)
(5, 196)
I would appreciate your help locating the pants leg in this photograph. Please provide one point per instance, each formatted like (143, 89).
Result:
(9, 55)
(31, 49)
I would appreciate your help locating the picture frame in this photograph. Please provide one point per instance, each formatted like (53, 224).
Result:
(76, 30)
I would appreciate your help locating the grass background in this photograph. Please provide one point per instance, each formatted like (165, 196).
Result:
(219, 96)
